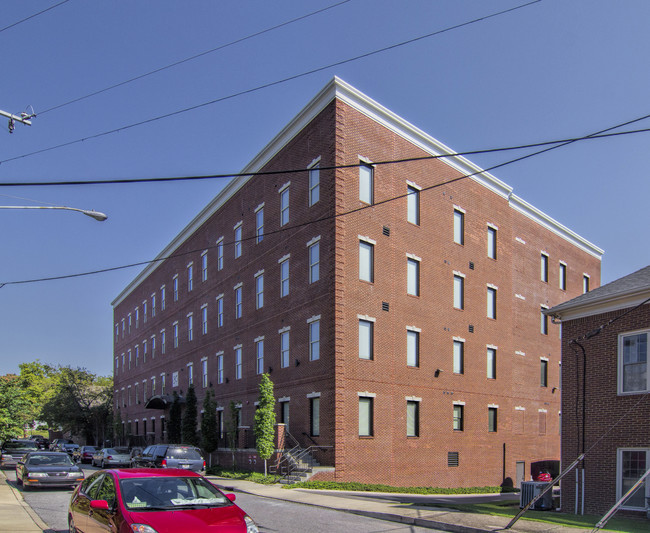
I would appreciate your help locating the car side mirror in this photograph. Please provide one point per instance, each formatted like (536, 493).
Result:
(99, 504)
(231, 497)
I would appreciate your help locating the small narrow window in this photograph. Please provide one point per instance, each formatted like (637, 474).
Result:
(544, 267)
(284, 206)
(543, 321)
(562, 274)
(284, 349)
(259, 291)
(459, 226)
(366, 416)
(492, 419)
(459, 357)
(238, 362)
(238, 301)
(412, 418)
(413, 277)
(238, 240)
(366, 261)
(413, 205)
(585, 284)
(220, 368)
(314, 262)
(284, 278)
(492, 302)
(366, 184)
(220, 254)
(492, 242)
(314, 416)
(412, 348)
(459, 415)
(175, 288)
(220, 311)
(259, 351)
(190, 277)
(366, 339)
(459, 292)
(259, 224)
(204, 319)
(204, 266)
(314, 184)
(543, 381)
(491, 363)
(314, 340)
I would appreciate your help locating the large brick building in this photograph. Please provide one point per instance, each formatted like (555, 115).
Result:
(606, 394)
(397, 307)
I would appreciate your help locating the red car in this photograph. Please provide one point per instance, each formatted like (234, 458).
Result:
(152, 500)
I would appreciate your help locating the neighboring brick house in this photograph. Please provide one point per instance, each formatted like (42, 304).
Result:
(606, 393)
(397, 307)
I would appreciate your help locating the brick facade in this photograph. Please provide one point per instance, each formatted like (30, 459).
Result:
(342, 127)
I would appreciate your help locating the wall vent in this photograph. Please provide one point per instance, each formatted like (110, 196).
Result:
(386, 231)
(385, 306)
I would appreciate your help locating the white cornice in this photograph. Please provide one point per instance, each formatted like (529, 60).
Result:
(605, 304)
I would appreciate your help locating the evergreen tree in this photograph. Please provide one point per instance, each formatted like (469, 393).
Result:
(209, 429)
(174, 426)
(265, 421)
(190, 418)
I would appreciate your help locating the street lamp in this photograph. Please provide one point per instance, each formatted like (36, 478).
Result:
(88, 212)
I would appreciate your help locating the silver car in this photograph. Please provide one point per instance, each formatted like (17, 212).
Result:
(108, 457)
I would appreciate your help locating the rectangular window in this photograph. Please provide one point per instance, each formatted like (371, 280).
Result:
(543, 374)
(543, 328)
(153, 305)
(144, 312)
(562, 275)
(491, 302)
(459, 292)
(220, 368)
(204, 266)
(412, 348)
(220, 254)
(491, 363)
(314, 416)
(284, 414)
(631, 465)
(153, 346)
(544, 267)
(284, 349)
(137, 318)
(190, 374)
(366, 339)
(284, 205)
(492, 242)
(585, 283)
(238, 301)
(284, 278)
(175, 334)
(163, 342)
(238, 362)
(633, 362)
(220, 311)
(413, 205)
(238, 237)
(412, 418)
(492, 419)
(190, 327)
(459, 226)
(153, 385)
(366, 184)
(137, 355)
(366, 416)
(259, 291)
(204, 373)
(366, 261)
(144, 350)
(314, 184)
(259, 224)
(413, 277)
(129, 328)
(459, 415)
(204, 319)
(459, 357)
(259, 351)
(314, 262)
(314, 340)
(190, 277)
(163, 382)
(175, 288)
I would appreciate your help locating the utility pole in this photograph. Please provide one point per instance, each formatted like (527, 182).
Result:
(24, 118)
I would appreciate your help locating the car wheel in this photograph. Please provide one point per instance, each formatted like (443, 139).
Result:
(25, 485)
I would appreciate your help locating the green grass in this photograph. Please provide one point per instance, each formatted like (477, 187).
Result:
(256, 477)
(364, 487)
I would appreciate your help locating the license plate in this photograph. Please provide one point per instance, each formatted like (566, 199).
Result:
(185, 466)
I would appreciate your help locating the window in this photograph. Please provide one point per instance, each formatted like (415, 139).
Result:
(284, 413)
(314, 184)
(314, 261)
(259, 351)
(204, 319)
(633, 362)
(366, 184)
(175, 334)
(238, 362)
(314, 416)
(492, 302)
(220, 311)
(412, 418)
(413, 205)
(543, 374)
(366, 340)
(129, 328)
(153, 346)
(153, 385)
(459, 292)
(153, 305)
(129, 352)
(459, 357)
(238, 300)
(238, 231)
(284, 348)
(175, 288)
(543, 321)
(367, 261)
(190, 374)
(259, 290)
(204, 266)
(284, 277)
(137, 318)
(163, 382)
(366, 416)
(137, 355)
(544, 267)
(163, 342)
(631, 465)
(284, 205)
(190, 277)
(413, 276)
(144, 312)
(491, 363)
(459, 226)
(220, 367)
(412, 348)
(492, 242)
(562, 274)
(122, 328)
(259, 224)
(492, 419)
(117, 332)
(459, 415)
(220, 254)
(314, 339)
(204, 373)
(585, 283)
(190, 327)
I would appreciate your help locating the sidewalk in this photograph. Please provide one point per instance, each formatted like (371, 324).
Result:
(402, 508)
(15, 515)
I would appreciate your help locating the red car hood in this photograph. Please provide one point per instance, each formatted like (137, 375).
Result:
(213, 520)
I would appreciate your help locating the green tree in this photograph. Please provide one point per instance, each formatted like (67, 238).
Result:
(232, 429)
(37, 380)
(209, 428)
(174, 426)
(265, 421)
(189, 434)
(13, 402)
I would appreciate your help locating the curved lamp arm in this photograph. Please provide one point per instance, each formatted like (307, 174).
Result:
(88, 212)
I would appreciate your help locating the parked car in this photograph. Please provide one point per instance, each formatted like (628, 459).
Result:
(43, 443)
(55, 445)
(13, 450)
(84, 454)
(47, 469)
(544, 475)
(69, 448)
(107, 457)
(165, 501)
(170, 456)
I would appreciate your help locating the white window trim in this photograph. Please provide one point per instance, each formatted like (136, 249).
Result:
(414, 257)
(284, 258)
(619, 467)
(281, 189)
(313, 395)
(367, 394)
(284, 330)
(413, 184)
(619, 365)
(313, 241)
(261, 206)
(313, 319)
(368, 240)
(364, 317)
(414, 328)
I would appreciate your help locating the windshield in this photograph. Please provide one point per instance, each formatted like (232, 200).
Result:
(20, 446)
(156, 493)
(183, 453)
(49, 460)
(123, 451)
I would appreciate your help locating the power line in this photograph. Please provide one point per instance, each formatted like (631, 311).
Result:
(34, 15)
(196, 56)
(270, 84)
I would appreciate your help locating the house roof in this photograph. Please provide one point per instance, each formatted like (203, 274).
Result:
(622, 293)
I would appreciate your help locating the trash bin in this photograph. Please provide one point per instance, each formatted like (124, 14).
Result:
(531, 489)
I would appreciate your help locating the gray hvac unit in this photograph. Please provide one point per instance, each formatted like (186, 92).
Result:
(531, 489)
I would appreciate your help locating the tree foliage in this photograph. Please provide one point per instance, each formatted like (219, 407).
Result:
(13, 403)
(232, 428)
(265, 420)
(189, 434)
(209, 428)
(174, 426)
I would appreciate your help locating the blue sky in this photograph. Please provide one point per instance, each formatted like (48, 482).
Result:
(551, 70)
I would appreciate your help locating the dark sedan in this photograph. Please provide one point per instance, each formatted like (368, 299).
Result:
(13, 450)
(48, 469)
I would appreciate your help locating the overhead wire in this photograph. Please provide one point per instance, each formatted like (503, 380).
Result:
(34, 15)
(269, 84)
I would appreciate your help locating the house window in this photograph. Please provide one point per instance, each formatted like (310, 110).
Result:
(175, 288)
(314, 184)
(543, 374)
(129, 352)
(412, 348)
(220, 367)
(122, 328)
(314, 416)
(492, 419)
(366, 416)
(459, 226)
(284, 413)
(204, 319)
(137, 318)
(544, 267)
(459, 292)
(259, 224)
(562, 276)
(204, 266)
(190, 327)
(238, 362)
(366, 340)
(129, 328)
(137, 355)
(259, 290)
(631, 465)
(366, 261)
(144, 312)
(163, 342)
(459, 416)
(284, 277)
(144, 350)
(190, 277)
(633, 362)
(492, 302)
(366, 184)
(413, 205)
(163, 383)
(314, 339)
(412, 418)
(491, 363)
(238, 300)
(220, 254)
(153, 385)
(220, 311)
(153, 346)
(413, 276)
(492, 242)
(175, 334)
(259, 351)
(190, 374)
(459, 357)
(585, 283)
(284, 205)
(314, 261)
(543, 321)
(238, 232)
(153, 305)
(284, 348)
(204, 373)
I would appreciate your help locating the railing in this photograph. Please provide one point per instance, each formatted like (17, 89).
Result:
(296, 458)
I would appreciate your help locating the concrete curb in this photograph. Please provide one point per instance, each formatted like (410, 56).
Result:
(23, 512)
